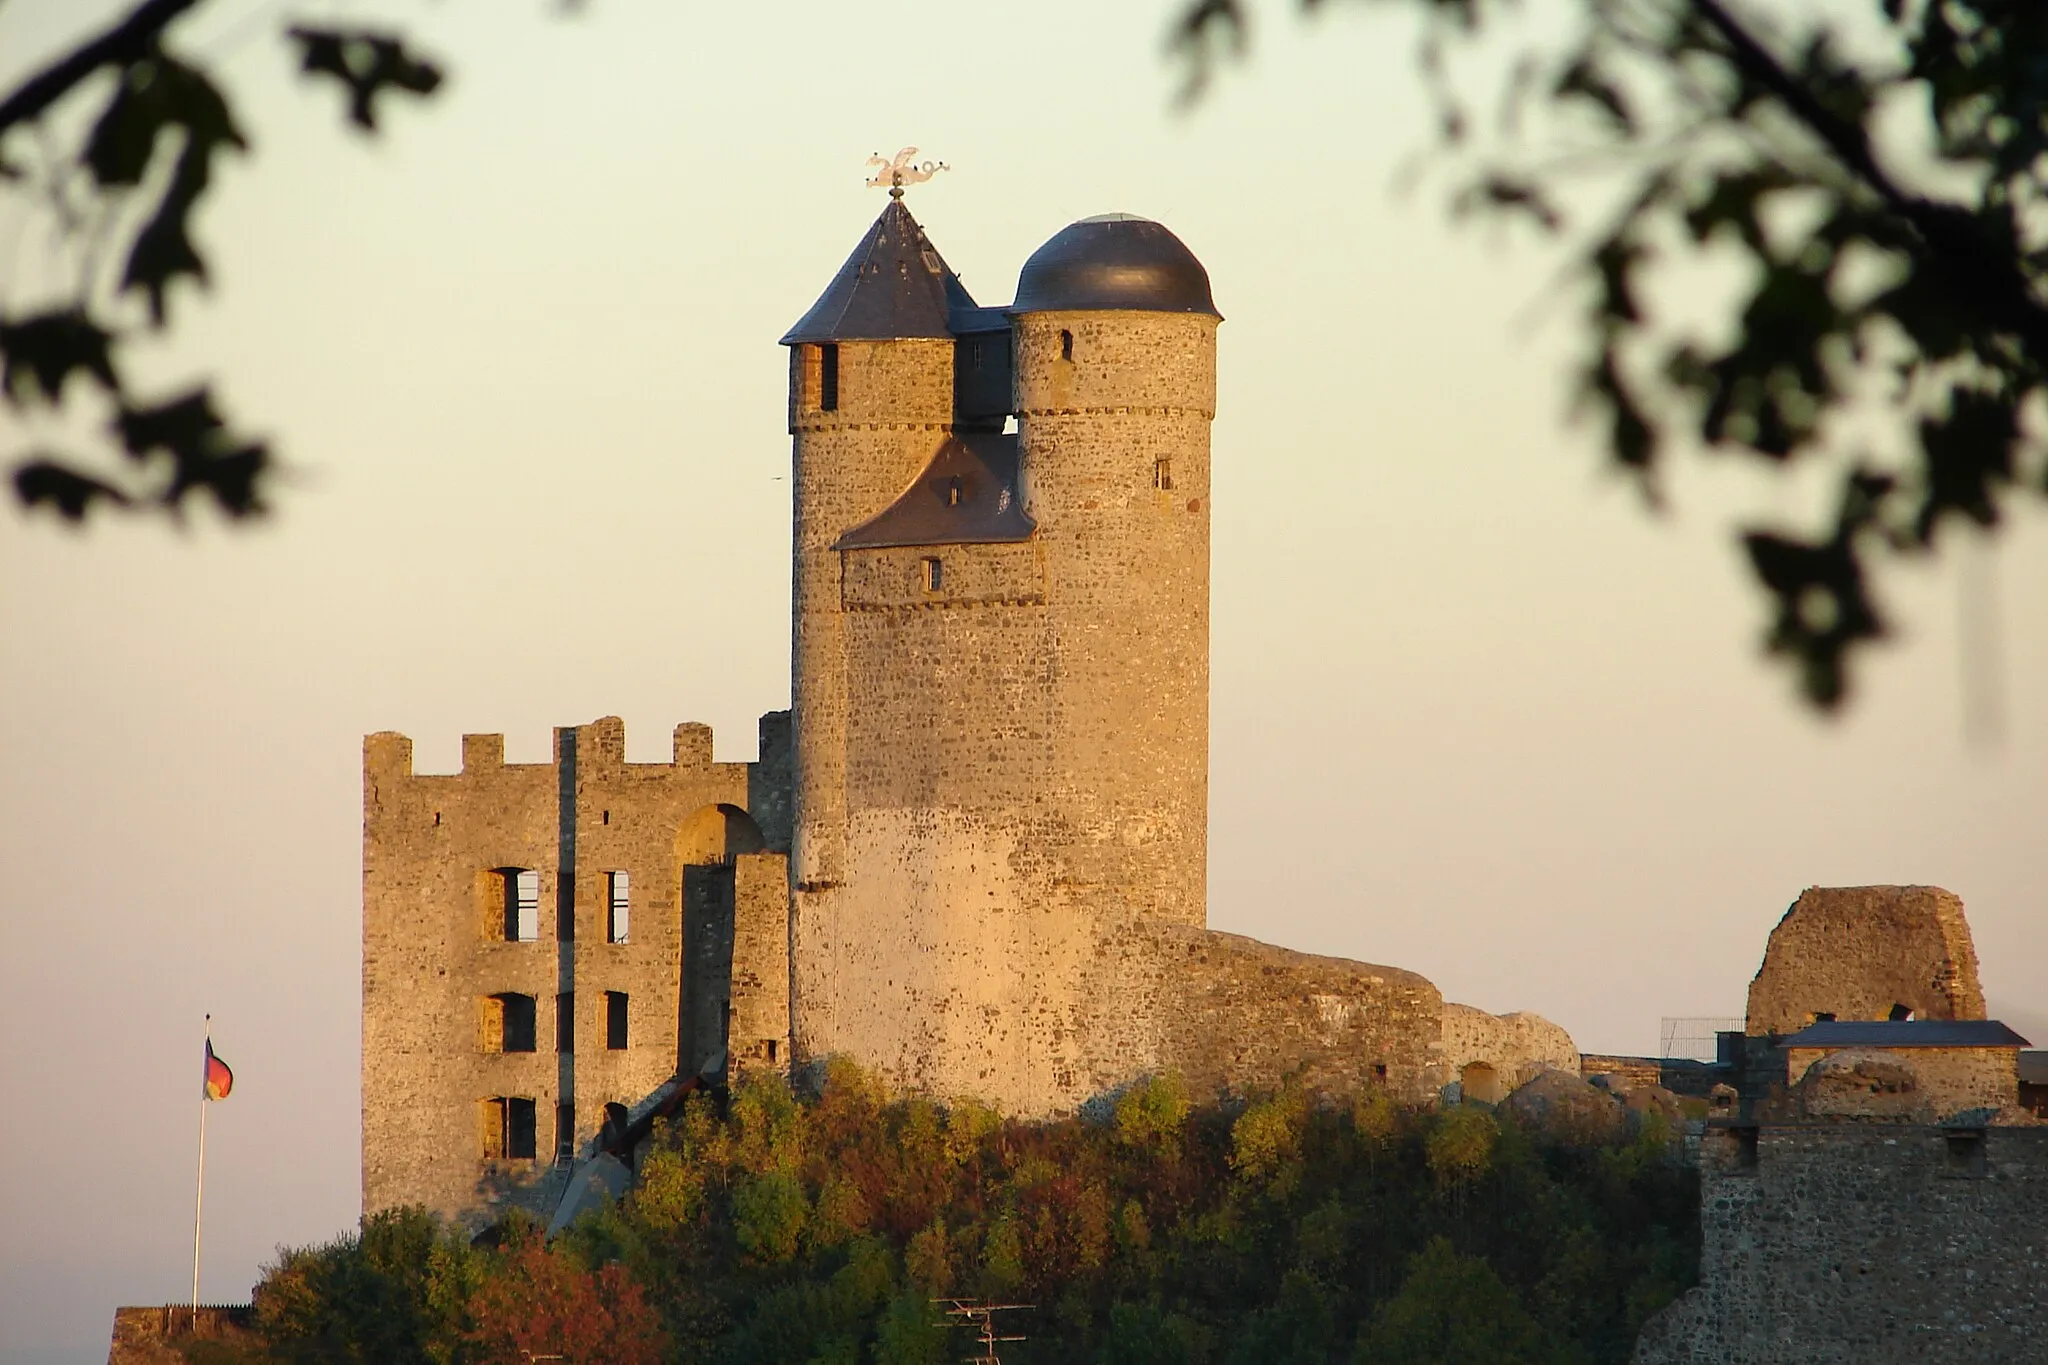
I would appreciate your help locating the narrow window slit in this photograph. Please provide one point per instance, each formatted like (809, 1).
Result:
(828, 377)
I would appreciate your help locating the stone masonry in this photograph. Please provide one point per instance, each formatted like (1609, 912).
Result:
(972, 857)
(1865, 952)
(466, 1010)
(1865, 1244)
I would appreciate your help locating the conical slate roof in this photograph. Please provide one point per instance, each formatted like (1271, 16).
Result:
(894, 285)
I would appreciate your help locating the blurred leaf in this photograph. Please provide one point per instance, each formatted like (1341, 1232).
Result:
(72, 494)
(203, 454)
(153, 95)
(366, 64)
(38, 354)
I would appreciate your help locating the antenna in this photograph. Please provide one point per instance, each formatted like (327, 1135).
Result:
(903, 170)
(980, 1317)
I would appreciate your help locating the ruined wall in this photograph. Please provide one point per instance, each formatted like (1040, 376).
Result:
(1921, 1085)
(434, 949)
(1512, 1047)
(1865, 1244)
(1856, 952)
(1236, 1014)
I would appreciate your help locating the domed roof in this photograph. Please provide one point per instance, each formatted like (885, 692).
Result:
(1115, 261)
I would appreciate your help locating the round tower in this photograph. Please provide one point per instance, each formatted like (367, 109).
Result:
(1001, 663)
(1115, 389)
(870, 395)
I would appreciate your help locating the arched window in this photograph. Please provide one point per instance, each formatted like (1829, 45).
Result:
(1479, 1081)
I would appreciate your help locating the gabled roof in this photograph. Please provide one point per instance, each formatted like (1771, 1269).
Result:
(1906, 1033)
(894, 285)
(967, 495)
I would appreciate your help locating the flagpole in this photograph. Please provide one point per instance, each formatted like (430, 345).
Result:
(199, 1199)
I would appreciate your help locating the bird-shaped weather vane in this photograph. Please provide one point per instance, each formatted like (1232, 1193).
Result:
(904, 170)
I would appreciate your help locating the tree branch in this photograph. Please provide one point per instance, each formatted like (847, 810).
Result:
(1986, 276)
(119, 45)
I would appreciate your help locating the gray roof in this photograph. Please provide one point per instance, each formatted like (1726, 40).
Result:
(894, 285)
(1907, 1033)
(1114, 262)
(967, 495)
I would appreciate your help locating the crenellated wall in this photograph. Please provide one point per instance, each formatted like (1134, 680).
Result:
(434, 947)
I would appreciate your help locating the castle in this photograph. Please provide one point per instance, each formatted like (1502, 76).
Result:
(971, 856)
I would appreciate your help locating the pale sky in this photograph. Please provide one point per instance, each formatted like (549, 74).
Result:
(1474, 712)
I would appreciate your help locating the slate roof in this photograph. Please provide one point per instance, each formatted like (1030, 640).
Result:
(894, 285)
(967, 495)
(1907, 1033)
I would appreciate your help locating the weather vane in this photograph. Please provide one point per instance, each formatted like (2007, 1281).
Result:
(904, 170)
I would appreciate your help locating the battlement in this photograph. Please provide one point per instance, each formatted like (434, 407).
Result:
(600, 744)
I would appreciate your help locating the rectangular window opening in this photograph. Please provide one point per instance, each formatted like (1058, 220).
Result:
(619, 899)
(505, 1022)
(1162, 475)
(522, 903)
(520, 1127)
(507, 1128)
(1745, 1149)
(934, 575)
(565, 1022)
(615, 1012)
(1966, 1152)
(828, 377)
(565, 1132)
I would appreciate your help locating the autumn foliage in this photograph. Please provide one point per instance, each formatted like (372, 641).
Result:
(831, 1228)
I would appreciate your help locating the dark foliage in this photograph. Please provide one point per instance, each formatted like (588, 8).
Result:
(128, 193)
(1878, 172)
(837, 1228)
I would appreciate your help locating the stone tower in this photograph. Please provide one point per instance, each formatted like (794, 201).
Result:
(1000, 666)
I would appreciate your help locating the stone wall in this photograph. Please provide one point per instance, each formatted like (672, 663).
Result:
(1491, 1054)
(1236, 1014)
(1002, 784)
(1860, 952)
(1865, 1244)
(435, 951)
(1922, 1084)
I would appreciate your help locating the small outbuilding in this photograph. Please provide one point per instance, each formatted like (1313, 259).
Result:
(1945, 1066)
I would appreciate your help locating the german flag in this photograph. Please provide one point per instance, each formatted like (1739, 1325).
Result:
(219, 1080)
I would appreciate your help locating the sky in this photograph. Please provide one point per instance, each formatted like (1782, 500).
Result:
(1475, 713)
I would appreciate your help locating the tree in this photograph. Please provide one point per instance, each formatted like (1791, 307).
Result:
(537, 1302)
(1451, 1309)
(1877, 171)
(122, 198)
